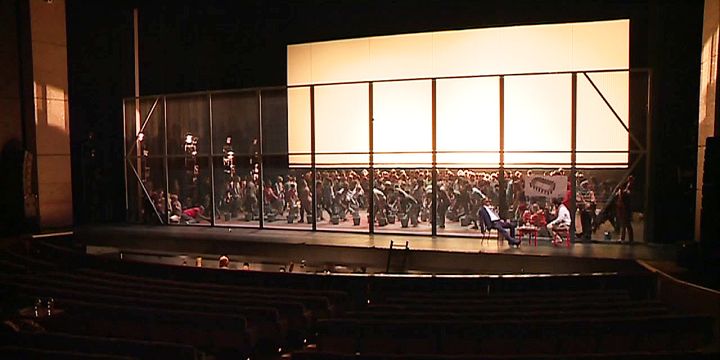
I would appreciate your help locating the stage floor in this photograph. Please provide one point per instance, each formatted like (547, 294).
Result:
(418, 238)
(451, 255)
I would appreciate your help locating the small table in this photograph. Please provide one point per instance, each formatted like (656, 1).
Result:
(529, 230)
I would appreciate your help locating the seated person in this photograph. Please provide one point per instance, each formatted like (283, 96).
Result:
(224, 262)
(527, 217)
(491, 220)
(562, 221)
(537, 217)
(175, 208)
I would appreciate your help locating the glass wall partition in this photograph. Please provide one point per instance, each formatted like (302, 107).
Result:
(288, 200)
(188, 159)
(236, 158)
(145, 154)
(402, 155)
(416, 156)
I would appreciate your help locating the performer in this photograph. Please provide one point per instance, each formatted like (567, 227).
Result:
(623, 209)
(380, 205)
(562, 221)
(251, 202)
(305, 199)
(408, 205)
(586, 206)
(491, 220)
(476, 201)
(443, 203)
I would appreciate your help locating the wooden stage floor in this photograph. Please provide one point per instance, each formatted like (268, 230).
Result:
(426, 254)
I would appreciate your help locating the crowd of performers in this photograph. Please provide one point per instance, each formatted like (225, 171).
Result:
(398, 195)
(405, 196)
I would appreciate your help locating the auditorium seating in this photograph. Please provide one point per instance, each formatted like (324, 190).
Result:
(57, 341)
(113, 309)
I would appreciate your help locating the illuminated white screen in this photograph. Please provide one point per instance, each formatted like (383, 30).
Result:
(341, 125)
(299, 125)
(598, 129)
(537, 118)
(467, 120)
(402, 117)
(537, 108)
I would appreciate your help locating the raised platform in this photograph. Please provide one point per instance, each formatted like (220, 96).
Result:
(362, 251)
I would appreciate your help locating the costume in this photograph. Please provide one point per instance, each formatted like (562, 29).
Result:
(563, 219)
(491, 220)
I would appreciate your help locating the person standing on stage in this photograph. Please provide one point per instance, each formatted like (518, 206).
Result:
(623, 209)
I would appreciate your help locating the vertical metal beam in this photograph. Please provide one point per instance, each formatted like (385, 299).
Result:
(125, 163)
(212, 163)
(165, 162)
(573, 155)
(649, 224)
(502, 196)
(136, 57)
(261, 174)
(433, 210)
(136, 63)
(371, 148)
(136, 52)
(313, 166)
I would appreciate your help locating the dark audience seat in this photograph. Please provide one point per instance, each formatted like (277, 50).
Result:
(99, 345)
(21, 353)
(108, 308)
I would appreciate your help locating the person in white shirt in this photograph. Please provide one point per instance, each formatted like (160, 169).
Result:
(563, 218)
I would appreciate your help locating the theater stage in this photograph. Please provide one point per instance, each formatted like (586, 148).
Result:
(352, 252)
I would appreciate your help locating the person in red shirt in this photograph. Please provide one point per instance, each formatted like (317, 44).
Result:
(194, 214)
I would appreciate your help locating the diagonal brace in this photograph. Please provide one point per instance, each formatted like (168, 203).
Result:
(142, 128)
(147, 195)
(634, 139)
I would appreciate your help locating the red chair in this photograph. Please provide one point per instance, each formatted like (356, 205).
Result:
(559, 234)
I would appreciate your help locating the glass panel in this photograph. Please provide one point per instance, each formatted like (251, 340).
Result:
(537, 119)
(468, 122)
(343, 199)
(341, 125)
(598, 128)
(298, 126)
(189, 181)
(529, 196)
(148, 121)
(287, 197)
(617, 213)
(188, 120)
(275, 130)
(292, 184)
(151, 172)
(402, 123)
(460, 195)
(130, 124)
(235, 123)
(237, 191)
(402, 200)
(135, 196)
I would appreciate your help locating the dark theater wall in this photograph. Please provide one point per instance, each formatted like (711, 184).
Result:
(193, 45)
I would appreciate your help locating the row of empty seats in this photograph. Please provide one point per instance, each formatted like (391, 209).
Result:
(109, 308)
